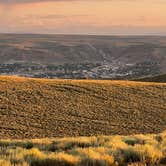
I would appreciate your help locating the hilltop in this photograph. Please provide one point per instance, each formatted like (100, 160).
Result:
(35, 108)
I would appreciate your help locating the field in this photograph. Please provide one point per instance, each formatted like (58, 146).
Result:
(134, 150)
(39, 108)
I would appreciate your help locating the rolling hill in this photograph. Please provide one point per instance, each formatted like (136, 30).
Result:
(82, 56)
(37, 108)
(158, 78)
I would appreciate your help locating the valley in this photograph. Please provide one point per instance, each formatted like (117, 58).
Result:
(82, 57)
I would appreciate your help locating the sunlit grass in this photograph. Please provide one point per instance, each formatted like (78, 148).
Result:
(131, 150)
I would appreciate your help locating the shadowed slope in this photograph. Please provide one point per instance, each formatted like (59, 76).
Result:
(159, 78)
(31, 108)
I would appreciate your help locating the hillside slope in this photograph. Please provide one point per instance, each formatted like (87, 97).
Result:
(82, 56)
(159, 78)
(31, 108)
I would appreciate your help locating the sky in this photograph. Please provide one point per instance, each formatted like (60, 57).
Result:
(102, 17)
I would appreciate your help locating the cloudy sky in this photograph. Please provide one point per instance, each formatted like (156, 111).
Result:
(126, 17)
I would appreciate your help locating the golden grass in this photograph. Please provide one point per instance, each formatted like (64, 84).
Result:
(101, 151)
(38, 108)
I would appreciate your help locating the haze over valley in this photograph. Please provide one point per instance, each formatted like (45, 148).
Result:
(81, 56)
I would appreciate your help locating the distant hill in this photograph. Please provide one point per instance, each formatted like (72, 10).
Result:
(82, 56)
(33, 108)
(159, 78)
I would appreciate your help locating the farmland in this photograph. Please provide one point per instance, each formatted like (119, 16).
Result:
(39, 108)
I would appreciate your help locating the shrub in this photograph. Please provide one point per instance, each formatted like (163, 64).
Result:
(133, 141)
(95, 157)
(149, 154)
(137, 164)
(159, 138)
(52, 147)
(59, 159)
(130, 155)
(49, 162)
(104, 160)
(4, 143)
(28, 145)
(72, 160)
(33, 154)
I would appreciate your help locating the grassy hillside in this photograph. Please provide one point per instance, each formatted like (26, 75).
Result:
(159, 78)
(134, 150)
(33, 108)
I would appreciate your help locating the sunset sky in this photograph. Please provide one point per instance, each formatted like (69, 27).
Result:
(126, 17)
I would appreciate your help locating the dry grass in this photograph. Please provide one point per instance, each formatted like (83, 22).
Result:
(38, 108)
(148, 150)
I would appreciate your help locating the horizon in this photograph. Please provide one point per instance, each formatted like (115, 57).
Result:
(82, 17)
(72, 34)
